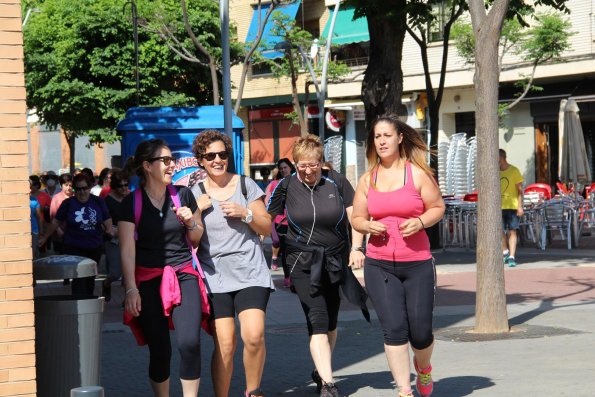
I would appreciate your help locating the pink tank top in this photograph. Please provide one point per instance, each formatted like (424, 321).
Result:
(392, 208)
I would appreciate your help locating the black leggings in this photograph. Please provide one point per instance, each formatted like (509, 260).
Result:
(155, 327)
(403, 296)
(283, 256)
(322, 309)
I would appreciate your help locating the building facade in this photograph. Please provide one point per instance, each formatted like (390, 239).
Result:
(530, 132)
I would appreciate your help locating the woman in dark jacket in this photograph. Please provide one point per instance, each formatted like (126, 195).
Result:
(318, 205)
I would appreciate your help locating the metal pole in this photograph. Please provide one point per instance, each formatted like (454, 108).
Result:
(135, 35)
(28, 14)
(327, 52)
(319, 98)
(226, 72)
(311, 69)
(134, 13)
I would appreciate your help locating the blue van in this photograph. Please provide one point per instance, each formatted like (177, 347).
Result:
(178, 126)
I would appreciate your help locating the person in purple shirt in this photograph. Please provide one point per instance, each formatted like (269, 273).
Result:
(84, 219)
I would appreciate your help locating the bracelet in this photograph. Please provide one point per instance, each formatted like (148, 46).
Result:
(422, 223)
(191, 228)
(131, 290)
(360, 249)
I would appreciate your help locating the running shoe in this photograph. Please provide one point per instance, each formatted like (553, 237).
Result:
(424, 382)
(506, 258)
(287, 282)
(317, 379)
(511, 262)
(274, 264)
(329, 390)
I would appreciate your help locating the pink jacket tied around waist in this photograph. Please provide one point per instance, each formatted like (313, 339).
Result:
(170, 296)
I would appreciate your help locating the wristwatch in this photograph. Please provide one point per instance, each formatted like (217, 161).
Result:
(248, 217)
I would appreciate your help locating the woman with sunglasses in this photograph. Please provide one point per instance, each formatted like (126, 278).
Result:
(235, 267)
(162, 285)
(395, 201)
(84, 219)
(118, 191)
(318, 205)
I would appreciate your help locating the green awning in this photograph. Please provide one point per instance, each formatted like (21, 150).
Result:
(347, 30)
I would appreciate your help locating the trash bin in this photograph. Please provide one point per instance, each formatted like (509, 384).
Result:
(67, 329)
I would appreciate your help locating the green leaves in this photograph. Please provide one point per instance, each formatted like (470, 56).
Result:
(80, 67)
(548, 39)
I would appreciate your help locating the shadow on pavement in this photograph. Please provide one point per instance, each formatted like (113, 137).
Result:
(461, 385)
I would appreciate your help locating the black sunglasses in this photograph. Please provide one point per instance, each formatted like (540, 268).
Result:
(166, 159)
(123, 185)
(211, 156)
(81, 188)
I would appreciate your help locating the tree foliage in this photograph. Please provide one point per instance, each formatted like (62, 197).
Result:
(192, 31)
(293, 64)
(541, 39)
(79, 68)
(382, 87)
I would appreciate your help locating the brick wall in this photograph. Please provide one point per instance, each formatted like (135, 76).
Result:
(17, 332)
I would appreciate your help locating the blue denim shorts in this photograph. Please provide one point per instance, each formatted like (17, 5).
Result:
(510, 220)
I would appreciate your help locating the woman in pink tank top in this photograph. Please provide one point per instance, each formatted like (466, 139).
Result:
(394, 202)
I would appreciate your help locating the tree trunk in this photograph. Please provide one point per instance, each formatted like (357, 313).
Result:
(434, 113)
(297, 107)
(382, 86)
(71, 140)
(490, 311)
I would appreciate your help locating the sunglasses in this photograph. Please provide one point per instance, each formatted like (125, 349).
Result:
(123, 185)
(81, 188)
(166, 159)
(212, 155)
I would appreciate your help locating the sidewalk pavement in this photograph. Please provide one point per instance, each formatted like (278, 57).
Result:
(550, 303)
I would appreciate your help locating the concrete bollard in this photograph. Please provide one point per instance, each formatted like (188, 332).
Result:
(87, 391)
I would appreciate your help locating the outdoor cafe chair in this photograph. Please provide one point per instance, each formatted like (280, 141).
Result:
(587, 214)
(559, 216)
(544, 189)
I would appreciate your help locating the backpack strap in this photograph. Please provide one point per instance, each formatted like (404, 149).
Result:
(137, 205)
(173, 193)
(201, 186)
(243, 186)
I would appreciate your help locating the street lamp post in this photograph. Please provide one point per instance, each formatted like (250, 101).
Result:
(286, 46)
(28, 14)
(327, 52)
(134, 12)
